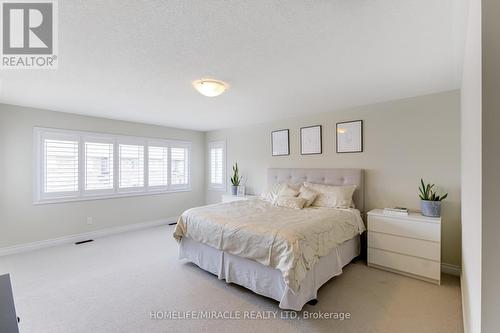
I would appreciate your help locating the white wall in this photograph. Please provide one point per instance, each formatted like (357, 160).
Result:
(490, 277)
(22, 222)
(404, 140)
(471, 172)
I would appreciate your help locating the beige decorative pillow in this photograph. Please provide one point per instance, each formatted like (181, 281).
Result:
(290, 202)
(288, 191)
(274, 190)
(332, 196)
(308, 195)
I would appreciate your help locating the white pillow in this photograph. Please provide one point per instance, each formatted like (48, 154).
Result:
(333, 196)
(308, 194)
(272, 192)
(290, 202)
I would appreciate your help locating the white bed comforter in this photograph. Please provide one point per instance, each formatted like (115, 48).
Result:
(283, 238)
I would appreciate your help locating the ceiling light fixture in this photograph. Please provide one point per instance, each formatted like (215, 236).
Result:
(210, 87)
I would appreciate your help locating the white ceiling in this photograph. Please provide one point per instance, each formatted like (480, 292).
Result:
(135, 60)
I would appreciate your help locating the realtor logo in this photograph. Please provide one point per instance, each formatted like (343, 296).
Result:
(29, 34)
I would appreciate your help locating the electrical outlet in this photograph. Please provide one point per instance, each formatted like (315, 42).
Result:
(90, 220)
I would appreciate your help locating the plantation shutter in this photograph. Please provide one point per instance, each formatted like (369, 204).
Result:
(216, 164)
(131, 166)
(158, 166)
(98, 166)
(179, 162)
(60, 166)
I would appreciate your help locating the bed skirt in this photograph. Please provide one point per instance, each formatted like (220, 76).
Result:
(265, 280)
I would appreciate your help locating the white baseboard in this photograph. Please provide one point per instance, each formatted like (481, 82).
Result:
(84, 236)
(450, 269)
(465, 314)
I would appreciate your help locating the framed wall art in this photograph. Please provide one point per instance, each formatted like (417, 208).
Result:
(280, 142)
(350, 136)
(310, 140)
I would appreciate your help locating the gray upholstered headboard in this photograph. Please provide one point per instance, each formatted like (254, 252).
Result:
(322, 176)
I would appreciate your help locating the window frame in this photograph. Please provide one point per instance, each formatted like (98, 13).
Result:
(211, 145)
(187, 164)
(94, 138)
(39, 144)
(162, 144)
(42, 133)
(127, 141)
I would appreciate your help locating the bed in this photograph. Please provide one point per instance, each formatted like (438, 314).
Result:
(277, 252)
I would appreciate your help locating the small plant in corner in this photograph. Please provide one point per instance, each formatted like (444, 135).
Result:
(430, 201)
(235, 179)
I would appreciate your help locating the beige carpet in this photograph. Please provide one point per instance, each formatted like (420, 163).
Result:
(114, 283)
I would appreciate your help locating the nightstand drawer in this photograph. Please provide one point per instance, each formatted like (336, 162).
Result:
(409, 246)
(406, 264)
(406, 228)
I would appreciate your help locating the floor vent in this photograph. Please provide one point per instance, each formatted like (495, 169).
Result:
(84, 241)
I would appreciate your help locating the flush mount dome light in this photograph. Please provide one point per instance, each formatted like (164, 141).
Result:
(210, 87)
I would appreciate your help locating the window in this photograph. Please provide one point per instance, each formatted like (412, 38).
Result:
(72, 165)
(131, 166)
(60, 166)
(98, 166)
(179, 156)
(158, 166)
(217, 165)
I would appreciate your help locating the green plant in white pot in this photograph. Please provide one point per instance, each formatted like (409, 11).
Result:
(235, 179)
(430, 203)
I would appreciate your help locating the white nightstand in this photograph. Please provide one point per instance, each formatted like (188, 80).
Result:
(229, 197)
(409, 245)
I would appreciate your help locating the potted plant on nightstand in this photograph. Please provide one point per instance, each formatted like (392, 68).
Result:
(430, 201)
(235, 179)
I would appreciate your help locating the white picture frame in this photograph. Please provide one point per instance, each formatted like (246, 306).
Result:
(241, 191)
(280, 142)
(310, 140)
(349, 135)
